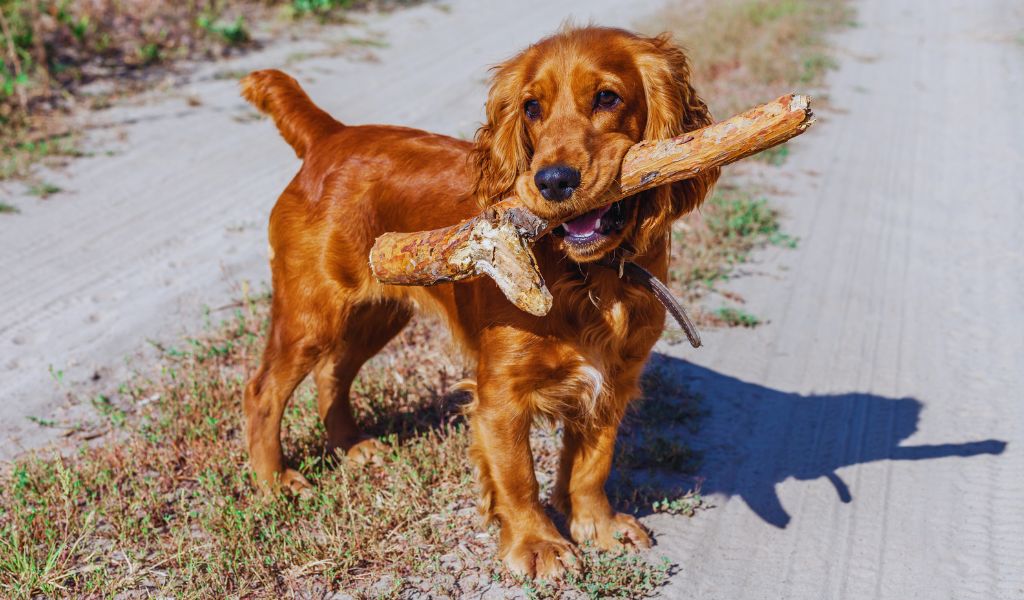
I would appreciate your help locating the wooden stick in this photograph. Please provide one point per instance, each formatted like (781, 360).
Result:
(497, 242)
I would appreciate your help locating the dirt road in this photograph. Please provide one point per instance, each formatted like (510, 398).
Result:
(869, 441)
(866, 442)
(175, 220)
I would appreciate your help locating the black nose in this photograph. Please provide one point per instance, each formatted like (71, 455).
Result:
(557, 182)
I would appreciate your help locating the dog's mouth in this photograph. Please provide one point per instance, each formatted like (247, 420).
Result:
(589, 233)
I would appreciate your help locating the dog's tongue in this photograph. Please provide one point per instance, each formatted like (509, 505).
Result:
(586, 223)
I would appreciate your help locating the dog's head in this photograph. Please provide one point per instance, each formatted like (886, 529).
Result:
(561, 116)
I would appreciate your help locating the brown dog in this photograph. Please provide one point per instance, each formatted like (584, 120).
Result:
(560, 117)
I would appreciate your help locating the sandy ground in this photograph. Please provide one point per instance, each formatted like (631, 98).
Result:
(866, 442)
(869, 441)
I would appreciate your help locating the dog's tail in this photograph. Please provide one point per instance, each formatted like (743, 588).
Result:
(300, 122)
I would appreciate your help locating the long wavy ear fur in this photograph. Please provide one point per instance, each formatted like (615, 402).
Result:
(673, 108)
(502, 146)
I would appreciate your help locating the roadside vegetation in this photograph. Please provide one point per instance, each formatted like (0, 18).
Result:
(743, 53)
(168, 503)
(163, 503)
(50, 49)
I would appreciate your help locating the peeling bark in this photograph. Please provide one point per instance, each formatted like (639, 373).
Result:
(497, 242)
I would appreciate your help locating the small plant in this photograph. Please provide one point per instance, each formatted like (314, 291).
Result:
(41, 421)
(8, 209)
(735, 317)
(815, 65)
(106, 407)
(708, 244)
(44, 189)
(17, 159)
(774, 156)
(234, 32)
(318, 7)
(686, 505)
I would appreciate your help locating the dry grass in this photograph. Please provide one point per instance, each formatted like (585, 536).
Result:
(708, 245)
(49, 49)
(166, 505)
(745, 52)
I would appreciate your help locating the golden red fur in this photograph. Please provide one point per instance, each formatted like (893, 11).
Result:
(578, 99)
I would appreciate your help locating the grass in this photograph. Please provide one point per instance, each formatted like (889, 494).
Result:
(49, 49)
(736, 317)
(166, 505)
(708, 245)
(745, 52)
(774, 156)
(7, 209)
(44, 189)
(16, 159)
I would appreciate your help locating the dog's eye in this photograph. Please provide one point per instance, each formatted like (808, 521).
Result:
(532, 109)
(606, 99)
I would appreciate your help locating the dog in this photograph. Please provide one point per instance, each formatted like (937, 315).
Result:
(560, 116)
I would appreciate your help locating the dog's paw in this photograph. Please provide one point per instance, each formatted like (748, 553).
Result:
(368, 451)
(541, 558)
(293, 481)
(617, 532)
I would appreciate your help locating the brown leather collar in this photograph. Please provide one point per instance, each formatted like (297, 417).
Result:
(637, 275)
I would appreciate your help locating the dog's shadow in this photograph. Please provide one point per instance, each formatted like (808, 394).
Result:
(738, 439)
(753, 438)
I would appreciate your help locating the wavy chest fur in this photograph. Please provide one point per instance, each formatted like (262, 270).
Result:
(604, 330)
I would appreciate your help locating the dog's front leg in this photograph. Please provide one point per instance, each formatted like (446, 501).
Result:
(580, 490)
(530, 544)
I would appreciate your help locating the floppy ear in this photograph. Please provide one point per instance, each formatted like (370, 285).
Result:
(502, 146)
(673, 108)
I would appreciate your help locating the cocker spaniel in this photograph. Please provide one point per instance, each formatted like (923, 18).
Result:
(560, 116)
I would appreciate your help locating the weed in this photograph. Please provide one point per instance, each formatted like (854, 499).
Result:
(320, 8)
(8, 209)
(233, 32)
(735, 317)
(815, 65)
(41, 421)
(707, 245)
(774, 156)
(105, 407)
(687, 505)
(56, 374)
(44, 189)
(16, 159)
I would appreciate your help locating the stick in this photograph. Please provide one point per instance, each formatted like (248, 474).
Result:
(497, 242)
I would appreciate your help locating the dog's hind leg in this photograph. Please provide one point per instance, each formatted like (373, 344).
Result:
(365, 329)
(288, 358)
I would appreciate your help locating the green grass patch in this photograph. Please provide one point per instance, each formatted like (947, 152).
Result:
(774, 156)
(44, 189)
(8, 209)
(709, 245)
(17, 158)
(735, 317)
